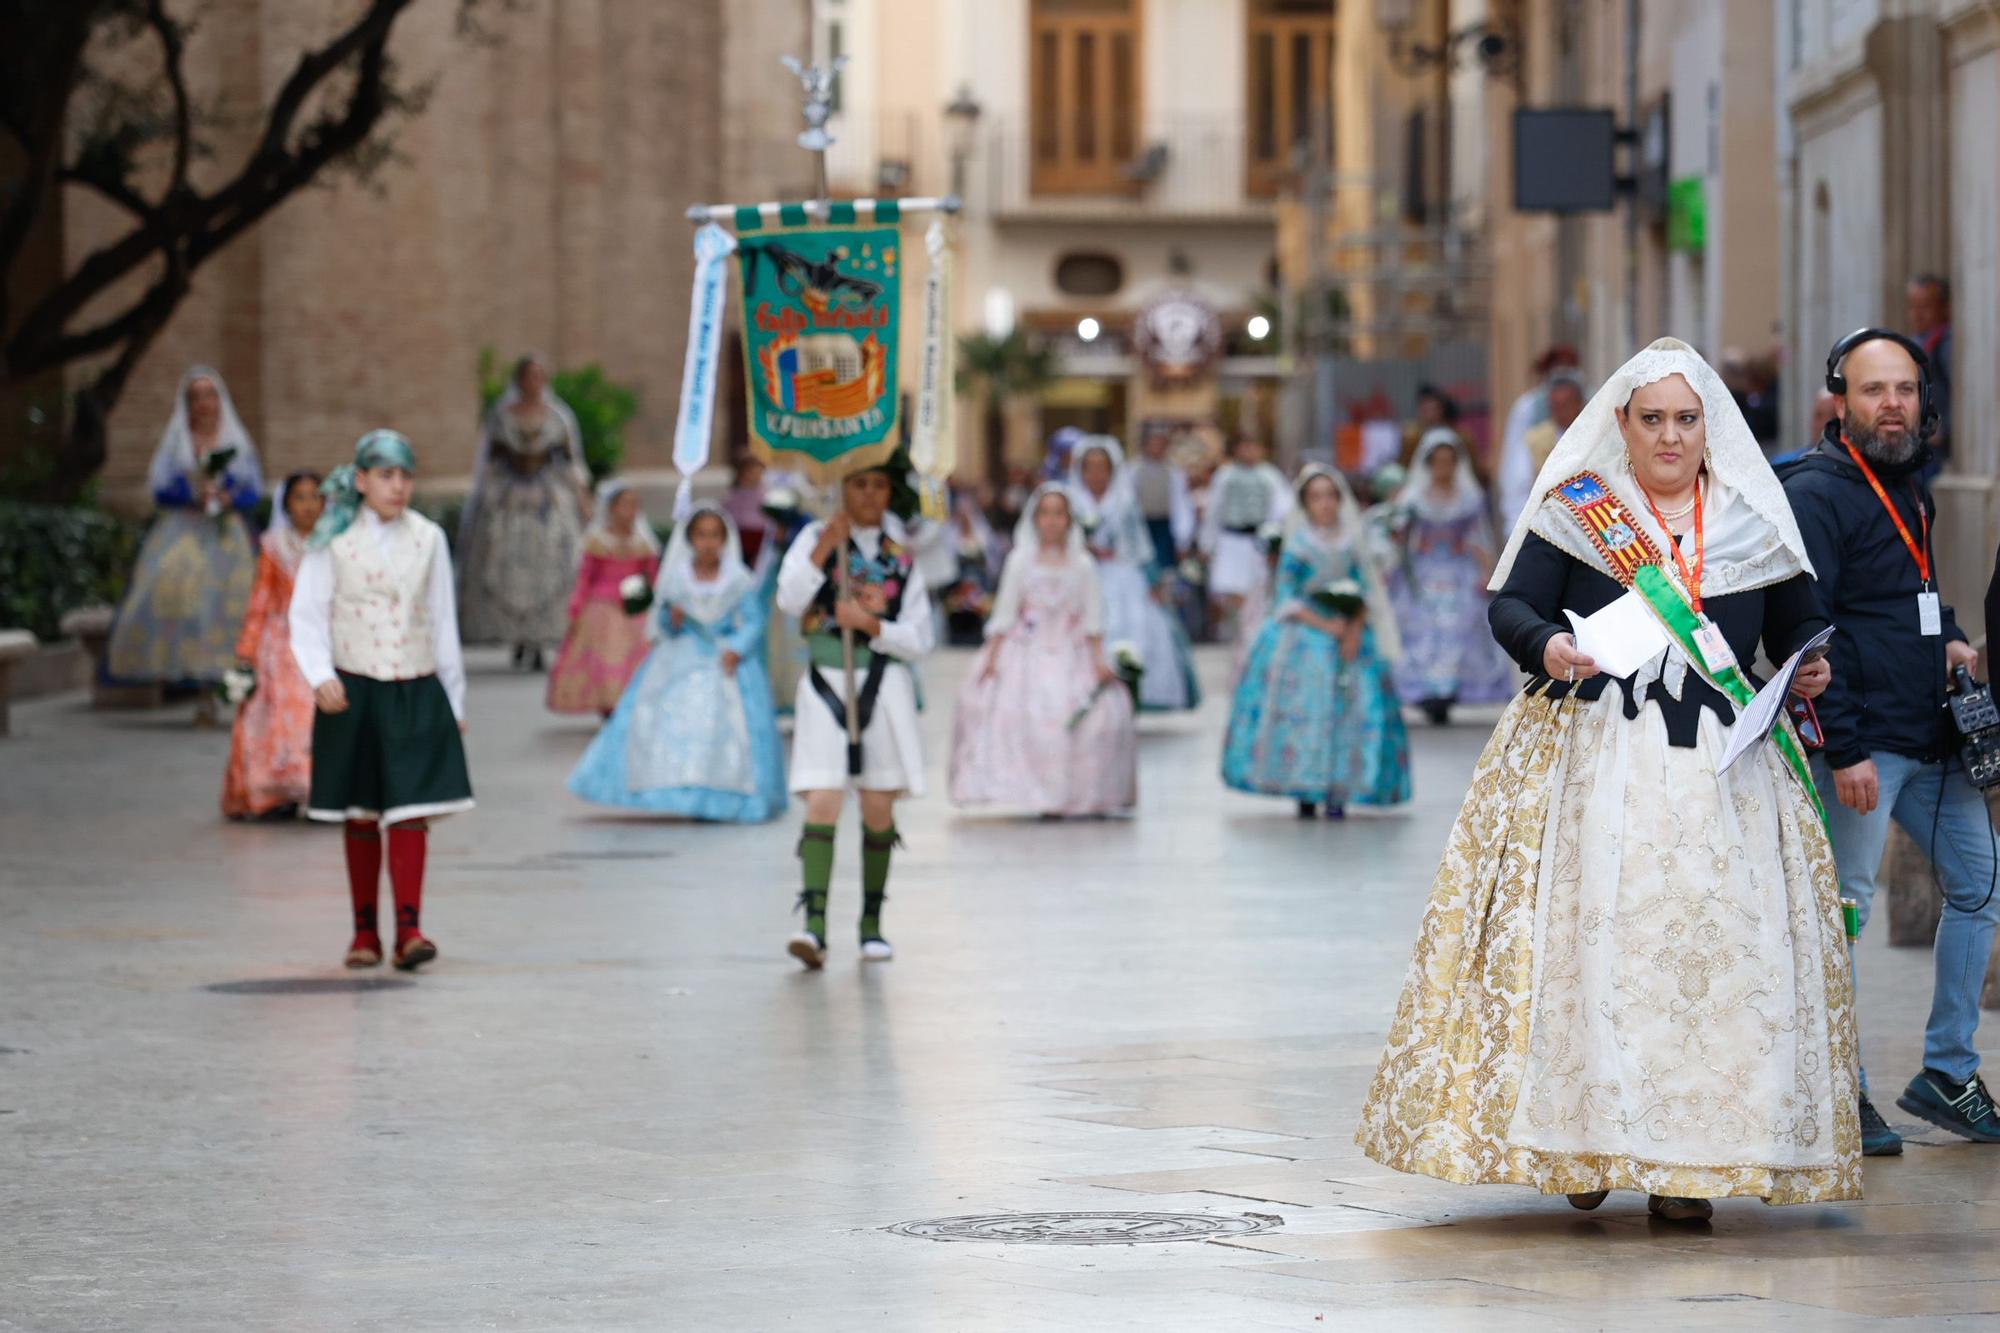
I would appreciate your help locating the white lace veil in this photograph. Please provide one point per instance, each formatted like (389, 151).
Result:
(599, 531)
(1027, 550)
(489, 426)
(1466, 494)
(175, 455)
(704, 603)
(1353, 534)
(1118, 507)
(1752, 540)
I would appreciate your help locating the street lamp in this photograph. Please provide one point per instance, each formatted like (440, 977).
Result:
(1087, 329)
(962, 115)
(1259, 328)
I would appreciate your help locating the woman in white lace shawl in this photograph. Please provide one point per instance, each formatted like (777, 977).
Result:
(1632, 973)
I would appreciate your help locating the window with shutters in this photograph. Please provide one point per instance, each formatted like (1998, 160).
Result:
(1290, 91)
(1083, 95)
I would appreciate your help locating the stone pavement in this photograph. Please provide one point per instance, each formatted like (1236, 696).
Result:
(615, 1104)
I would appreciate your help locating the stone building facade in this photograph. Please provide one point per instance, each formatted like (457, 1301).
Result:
(536, 204)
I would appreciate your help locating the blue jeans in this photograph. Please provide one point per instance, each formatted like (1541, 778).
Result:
(1921, 797)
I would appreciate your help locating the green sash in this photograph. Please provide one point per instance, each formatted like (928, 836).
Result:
(1681, 622)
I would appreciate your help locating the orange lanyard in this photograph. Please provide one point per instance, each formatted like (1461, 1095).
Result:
(1920, 554)
(1691, 577)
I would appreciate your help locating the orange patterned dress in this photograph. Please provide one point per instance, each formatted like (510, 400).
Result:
(270, 748)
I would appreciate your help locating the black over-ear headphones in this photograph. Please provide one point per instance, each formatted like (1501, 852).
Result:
(1836, 383)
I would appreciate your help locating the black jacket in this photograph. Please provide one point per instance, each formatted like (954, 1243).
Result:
(1546, 581)
(1888, 691)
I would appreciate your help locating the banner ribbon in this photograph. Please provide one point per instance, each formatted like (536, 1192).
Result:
(1681, 622)
(712, 247)
(932, 447)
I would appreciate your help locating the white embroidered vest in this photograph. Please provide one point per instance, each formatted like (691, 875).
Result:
(381, 622)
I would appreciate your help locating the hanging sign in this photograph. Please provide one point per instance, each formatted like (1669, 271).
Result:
(821, 315)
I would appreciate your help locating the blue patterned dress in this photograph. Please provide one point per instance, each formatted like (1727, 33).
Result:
(1305, 724)
(686, 739)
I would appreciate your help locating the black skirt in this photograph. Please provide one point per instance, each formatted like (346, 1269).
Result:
(394, 755)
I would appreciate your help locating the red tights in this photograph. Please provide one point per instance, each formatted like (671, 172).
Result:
(408, 843)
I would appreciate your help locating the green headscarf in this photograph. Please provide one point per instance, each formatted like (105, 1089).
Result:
(378, 448)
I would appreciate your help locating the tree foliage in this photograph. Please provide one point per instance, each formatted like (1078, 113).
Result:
(95, 97)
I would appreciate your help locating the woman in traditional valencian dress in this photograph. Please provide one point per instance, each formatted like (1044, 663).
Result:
(522, 525)
(1043, 723)
(605, 643)
(1246, 495)
(695, 734)
(1134, 612)
(270, 747)
(1445, 539)
(191, 585)
(1632, 973)
(1315, 716)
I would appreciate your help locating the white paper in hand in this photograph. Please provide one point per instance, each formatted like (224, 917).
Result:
(1759, 717)
(1621, 637)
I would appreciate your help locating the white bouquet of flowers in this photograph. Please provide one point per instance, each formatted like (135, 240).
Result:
(237, 684)
(636, 592)
(1129, 665)
(1271, 537)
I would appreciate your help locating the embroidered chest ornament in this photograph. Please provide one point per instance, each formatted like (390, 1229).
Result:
(1601, 515)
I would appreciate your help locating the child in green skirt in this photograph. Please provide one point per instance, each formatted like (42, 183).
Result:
(375, 631)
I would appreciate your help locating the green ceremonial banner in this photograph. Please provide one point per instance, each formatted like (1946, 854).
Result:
(822, 310)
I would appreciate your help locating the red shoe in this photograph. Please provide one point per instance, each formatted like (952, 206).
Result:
(413, 951)
(366, 951)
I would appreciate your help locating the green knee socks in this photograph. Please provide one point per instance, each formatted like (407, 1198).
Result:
(816, 862)
(876, 848)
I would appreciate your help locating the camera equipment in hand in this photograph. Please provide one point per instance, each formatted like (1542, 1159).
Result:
(1977, 720)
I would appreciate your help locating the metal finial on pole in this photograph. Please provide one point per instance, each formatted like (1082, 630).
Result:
(817, 80)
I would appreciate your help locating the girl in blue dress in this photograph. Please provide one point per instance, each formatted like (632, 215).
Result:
(695, 733)
(1315, 715)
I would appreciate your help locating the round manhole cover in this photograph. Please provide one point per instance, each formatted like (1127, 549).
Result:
(1088, 1228)
(308, 986)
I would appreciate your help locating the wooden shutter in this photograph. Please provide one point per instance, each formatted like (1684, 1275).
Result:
(1290, 87)
(1084, 95)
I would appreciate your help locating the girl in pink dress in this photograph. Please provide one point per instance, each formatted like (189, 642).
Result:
(605, 643)
(1043, 724)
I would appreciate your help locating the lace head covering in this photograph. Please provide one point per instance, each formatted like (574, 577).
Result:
(599, 532)
(676, 585)
(489, 426)
(1319, 546)
(285, 542)
(1466, 494)
(1117, 510)
(174, 457)
(1752, 540)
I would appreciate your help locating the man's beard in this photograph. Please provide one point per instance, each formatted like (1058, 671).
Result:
(1888, 451)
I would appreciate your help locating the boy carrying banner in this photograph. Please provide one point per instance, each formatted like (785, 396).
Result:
(886, 608)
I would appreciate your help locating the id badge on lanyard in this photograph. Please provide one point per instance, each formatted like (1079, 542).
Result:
(1930, 616)
(1716, 654)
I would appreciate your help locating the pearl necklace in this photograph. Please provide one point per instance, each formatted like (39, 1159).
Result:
(1684, 510)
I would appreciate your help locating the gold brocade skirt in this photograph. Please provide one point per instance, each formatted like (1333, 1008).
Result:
(1631, 974)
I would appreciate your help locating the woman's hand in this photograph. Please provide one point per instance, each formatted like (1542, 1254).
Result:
(1812, 678)
(1562, 661)
(1350, 640)
(331, 696)
(850, 614)
(1106, 676)
(676, 620)
(730, 661)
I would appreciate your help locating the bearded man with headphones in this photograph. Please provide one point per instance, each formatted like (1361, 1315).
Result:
(1867, 518)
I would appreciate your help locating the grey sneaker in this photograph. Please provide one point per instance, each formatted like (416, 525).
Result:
(1877, 1139)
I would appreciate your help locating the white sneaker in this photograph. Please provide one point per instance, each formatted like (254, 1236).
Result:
(877, 951)
(807, 948)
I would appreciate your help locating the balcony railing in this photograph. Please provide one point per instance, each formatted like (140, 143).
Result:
(1184, 167)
